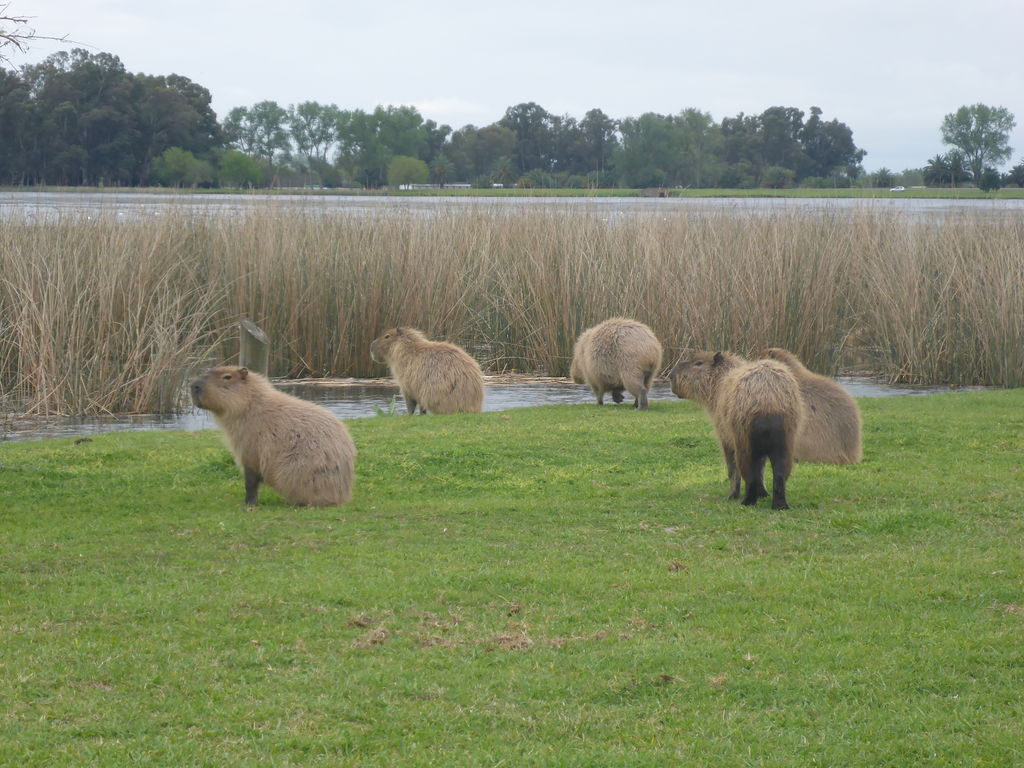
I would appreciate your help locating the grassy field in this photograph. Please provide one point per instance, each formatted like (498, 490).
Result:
(805, 192)
(558, 586)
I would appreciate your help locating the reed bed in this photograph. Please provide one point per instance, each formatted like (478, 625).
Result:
(113, 314)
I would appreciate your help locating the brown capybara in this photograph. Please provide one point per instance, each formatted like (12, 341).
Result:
(831, 431)
(436, 376)
(757, 411)
(297, 448)
(614, 355)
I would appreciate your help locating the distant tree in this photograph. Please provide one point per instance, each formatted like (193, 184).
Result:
(780, 130)
(981, 133)
(651, 151)
(407, 170)
(172, 111)
(883, 177)
(259, 131)
(946, 169)
(700, 141)
(533, 126)
(362, 154)
(474, 151)
(441, 169)
(400, 130)
(829, 148)
(436, 138)
(177, 167)
(910, 177)
(16, 117)
(599, 140)
(237, 169)
(777, 177)
(503, 171)
(990, 180)
(1015, 175)
(314, 129)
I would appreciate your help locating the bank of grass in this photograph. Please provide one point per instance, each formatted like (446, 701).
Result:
(551, 586)
(114, 313)
(964, 193)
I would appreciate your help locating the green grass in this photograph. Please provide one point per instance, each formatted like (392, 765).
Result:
(965, 193)
(558, 586)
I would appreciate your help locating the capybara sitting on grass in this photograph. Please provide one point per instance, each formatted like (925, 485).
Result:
(436, 376)
(297, 448)
(756, 409)
(614, 355)
(831, 431)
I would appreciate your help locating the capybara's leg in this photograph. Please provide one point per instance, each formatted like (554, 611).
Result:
(782, 464)
(617, 395)
(759, 463)
(734, 473)
(410, 404)
(635, 384)
(598, 393)
(252, 487)
(745, 470)
(648, 380)
(641, 401)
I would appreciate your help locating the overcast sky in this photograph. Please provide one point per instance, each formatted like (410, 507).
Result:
(889, 69)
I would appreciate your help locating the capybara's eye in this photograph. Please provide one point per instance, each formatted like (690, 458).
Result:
(698, 363)
(227, 377)
(387, 335)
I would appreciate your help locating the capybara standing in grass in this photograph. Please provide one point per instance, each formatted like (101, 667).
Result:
(831, 431)
(614, 355)
(297, 448)
(436, 376)
(756, 409)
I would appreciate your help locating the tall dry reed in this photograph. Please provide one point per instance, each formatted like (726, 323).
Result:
(113, 314)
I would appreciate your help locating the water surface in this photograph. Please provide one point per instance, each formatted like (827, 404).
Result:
(141, 204)
(358, 400)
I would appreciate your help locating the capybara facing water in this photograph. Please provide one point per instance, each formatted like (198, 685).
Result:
(756, 409)
(831, 431)
(297, 448)
(614, 355)
(436, 376)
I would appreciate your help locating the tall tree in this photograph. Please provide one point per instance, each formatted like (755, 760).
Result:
(533, 127)
(314, 129)
(259, 131)
(172, 112)
(599, 139)
(700, 142)
(650, 155)
(981, 133)
(474, 151)
(829, 147)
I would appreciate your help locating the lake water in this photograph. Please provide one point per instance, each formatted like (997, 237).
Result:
(139, 204)
(357, 400)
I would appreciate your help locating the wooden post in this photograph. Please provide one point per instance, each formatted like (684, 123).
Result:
(254, 347)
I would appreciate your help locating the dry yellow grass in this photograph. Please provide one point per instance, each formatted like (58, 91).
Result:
(114, 314)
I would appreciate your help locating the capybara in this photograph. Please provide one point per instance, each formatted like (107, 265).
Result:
(831, 431)
(297, 448)
(436, 376)
(756, 409)
(614, 355)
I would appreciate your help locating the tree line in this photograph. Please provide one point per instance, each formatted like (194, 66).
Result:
(79, 118)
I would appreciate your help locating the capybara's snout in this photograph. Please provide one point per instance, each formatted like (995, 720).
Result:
(196, 390)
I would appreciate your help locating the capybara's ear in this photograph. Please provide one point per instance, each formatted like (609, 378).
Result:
(398, 331)
(242, 373)
(718, 359)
